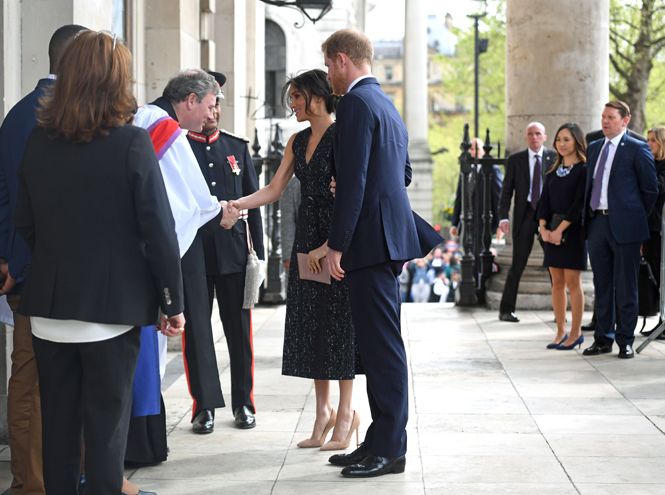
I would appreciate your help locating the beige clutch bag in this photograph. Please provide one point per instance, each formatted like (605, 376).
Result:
(323, 276)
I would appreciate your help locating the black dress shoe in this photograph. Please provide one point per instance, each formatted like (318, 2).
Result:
(244, 418)
(374, 465)
(597, 348)
(626, 352)
(508, 317)
(661, 336)
(589, 326)
(204, 422)
(350, 459)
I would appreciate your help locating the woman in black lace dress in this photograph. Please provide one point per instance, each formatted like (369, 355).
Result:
(319, 340)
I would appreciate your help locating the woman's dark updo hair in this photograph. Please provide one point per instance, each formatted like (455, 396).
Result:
(313, 83)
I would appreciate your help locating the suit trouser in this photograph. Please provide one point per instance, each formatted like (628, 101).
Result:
(522, 245)
(197, 341)
(375, 308)
(24, 415)
(237, 323)
(615, 270)
(86, 386)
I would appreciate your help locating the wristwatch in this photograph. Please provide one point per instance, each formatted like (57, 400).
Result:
(539, 227)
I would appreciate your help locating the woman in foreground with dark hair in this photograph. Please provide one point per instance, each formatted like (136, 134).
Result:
(319, 340)
(561, 216)
(93, 208)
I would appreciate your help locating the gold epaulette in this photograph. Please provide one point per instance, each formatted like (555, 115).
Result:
(237, 136)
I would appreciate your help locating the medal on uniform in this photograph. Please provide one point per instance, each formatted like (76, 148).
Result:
(234, 164)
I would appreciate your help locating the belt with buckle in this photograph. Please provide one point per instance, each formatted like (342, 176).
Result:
(602, 212)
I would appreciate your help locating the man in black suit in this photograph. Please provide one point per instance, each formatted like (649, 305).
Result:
(478, 203)
(525, 175)
(229, 172)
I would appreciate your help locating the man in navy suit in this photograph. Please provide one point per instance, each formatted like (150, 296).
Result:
(621, 189)
(23, 401)
(372, 233)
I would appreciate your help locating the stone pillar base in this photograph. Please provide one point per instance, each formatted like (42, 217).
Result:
(535, 290)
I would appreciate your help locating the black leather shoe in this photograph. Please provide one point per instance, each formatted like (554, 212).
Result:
(589, 327)
(626, 352)
(350, 459)
(244, 418)
(597, 348)
(374, 465)
(508, 317)
(204, 422)
(661, 336)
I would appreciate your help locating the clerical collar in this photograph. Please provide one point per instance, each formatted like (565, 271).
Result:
(202, 138)
(165, 105)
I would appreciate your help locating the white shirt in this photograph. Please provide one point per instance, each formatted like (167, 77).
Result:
(70, 331)
(189, 197)
(357, 81)
(612, 143)
(532, 166)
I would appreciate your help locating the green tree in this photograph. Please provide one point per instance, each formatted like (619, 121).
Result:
(637, 75)
(446, 131)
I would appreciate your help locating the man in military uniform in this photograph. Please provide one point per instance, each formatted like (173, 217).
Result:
(229, 171)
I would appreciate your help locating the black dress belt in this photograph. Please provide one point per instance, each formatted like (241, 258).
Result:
(602, 212)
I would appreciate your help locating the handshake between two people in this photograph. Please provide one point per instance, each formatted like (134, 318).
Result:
(230, 213)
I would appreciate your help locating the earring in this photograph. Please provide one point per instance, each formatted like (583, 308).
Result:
(319, 100)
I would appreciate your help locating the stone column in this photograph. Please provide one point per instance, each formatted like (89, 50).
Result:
(556, 72)
(172, 41)
(231, 60)
(416, 107)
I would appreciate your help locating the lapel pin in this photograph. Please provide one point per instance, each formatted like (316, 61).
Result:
(622, 144)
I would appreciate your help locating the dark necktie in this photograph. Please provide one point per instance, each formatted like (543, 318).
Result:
(535, 184)
(598, 181)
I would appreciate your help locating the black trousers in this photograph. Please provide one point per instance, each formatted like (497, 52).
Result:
(522, 245)
(86, 387)
(197, 341)
(237, 323)
(375, 308)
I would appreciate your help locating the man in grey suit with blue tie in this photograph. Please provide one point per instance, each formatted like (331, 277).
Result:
(621, 189)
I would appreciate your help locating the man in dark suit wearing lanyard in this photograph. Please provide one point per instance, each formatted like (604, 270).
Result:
(372, 233)
(525, 175)
(229, 172)
(621, 189)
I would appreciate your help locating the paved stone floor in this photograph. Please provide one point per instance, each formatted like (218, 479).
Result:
(491, 412)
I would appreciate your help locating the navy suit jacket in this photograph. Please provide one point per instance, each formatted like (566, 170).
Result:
(14, 134)
(632, 189)
(372, 221)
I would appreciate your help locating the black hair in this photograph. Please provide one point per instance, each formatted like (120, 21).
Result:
(59, 40)
(311, 83)
(580, 143)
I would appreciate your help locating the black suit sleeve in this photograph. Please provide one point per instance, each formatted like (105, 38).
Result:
(497, 182)
(457, 209)
(24, 220)
(156, 222)
(507, 188)
(250, 184)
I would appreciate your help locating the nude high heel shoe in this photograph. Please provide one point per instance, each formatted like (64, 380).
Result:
(347, 441)
(311, 442)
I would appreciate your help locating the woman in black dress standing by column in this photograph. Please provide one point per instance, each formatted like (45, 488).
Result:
(561, 216)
